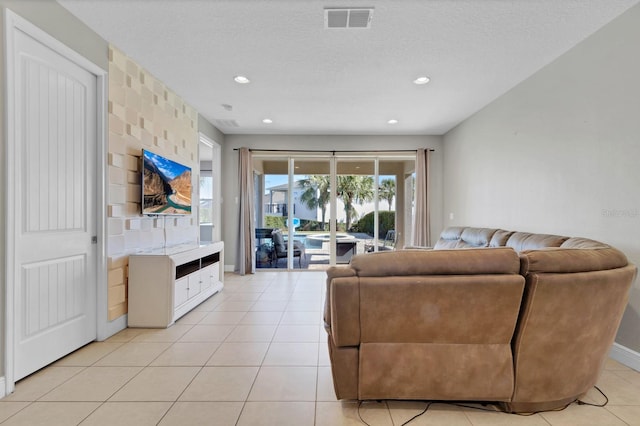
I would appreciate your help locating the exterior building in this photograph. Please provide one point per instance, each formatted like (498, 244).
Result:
(275, 204)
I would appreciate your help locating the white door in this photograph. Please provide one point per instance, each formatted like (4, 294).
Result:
(53, 198)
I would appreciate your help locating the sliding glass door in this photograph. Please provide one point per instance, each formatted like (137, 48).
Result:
(356, 205)
(317, 210)
(312, 200)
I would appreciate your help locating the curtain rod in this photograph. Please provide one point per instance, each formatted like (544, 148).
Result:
(333, 151)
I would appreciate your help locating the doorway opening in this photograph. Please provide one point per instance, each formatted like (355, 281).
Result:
(209, 214)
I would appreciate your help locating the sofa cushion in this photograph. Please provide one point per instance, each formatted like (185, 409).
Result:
(449, 238)
(452, 233)
(436, 262)
(527, 241)
(440, 309)
(499, 238)
(416, 371)
(461, 237)
(476, 237)
(579, 242)
(566, 260)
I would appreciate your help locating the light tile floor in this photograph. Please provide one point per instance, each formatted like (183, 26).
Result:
(254, 354)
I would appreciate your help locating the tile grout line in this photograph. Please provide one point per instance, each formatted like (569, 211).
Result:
(244, 403)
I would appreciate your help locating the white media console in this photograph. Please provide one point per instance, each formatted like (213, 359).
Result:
(167, 283)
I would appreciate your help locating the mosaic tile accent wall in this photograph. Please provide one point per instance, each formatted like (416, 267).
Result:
(143, 114)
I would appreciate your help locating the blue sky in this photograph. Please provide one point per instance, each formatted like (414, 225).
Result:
(275, 180)
(169, 168)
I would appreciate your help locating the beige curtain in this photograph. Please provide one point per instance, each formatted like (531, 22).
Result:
(421, 235)
(245, 260)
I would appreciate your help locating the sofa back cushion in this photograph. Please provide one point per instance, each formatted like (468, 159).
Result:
(500, 238)
(457, 309)
(464, 237)
(568, 260)
(579, 242)
(449, 238)
(476, 237)
(437, 262)
(526, 241)
(455, 237)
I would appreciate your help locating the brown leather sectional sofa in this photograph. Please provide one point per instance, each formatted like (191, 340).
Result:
(525, 320)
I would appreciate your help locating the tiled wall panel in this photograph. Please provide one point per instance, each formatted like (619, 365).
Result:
(143, 114)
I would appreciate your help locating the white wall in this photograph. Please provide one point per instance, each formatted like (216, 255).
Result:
(321, 143)
(64, 26)
(560, 153)
(210, 130)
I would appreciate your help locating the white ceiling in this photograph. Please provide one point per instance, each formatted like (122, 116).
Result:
(311, 80)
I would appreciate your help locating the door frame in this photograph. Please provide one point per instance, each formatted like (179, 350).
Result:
(12, 24)
(333, 158)
(216, 173)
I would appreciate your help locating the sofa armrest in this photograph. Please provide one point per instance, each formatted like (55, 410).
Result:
(343, 301)
(337, 272)
(333, 272)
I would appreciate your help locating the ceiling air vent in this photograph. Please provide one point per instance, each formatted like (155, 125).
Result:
(359, 17)
(226, 123)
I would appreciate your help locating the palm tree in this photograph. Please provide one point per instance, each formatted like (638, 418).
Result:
(387, 190)
(316, 193)
(354, 189)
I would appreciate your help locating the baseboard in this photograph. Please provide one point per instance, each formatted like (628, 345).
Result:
(229, 268)
(3, 387)
(625, 356)
(112, 327)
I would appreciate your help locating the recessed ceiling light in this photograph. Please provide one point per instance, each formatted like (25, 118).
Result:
(421, 80)
(392, 121)
(267, 121)
(241, 79)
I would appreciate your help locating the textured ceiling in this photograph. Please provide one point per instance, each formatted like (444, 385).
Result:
(310, 80)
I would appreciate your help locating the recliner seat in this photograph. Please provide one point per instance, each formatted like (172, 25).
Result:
(522, 319)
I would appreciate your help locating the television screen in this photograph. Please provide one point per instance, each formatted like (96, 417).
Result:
(166, 187)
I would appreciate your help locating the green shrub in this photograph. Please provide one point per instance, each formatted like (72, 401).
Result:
(386, 222)
(310, 225)
(276, 222)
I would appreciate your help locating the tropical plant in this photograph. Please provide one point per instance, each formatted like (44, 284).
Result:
(310, 225)
(353, 189)
(316, 193)
(387, 190)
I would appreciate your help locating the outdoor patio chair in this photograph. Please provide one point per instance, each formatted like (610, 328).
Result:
(390, 238)
(280, 248)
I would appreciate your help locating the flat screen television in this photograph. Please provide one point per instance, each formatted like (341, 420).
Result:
(166, 186)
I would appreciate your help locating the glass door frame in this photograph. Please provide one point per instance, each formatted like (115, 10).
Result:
(333, 158)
